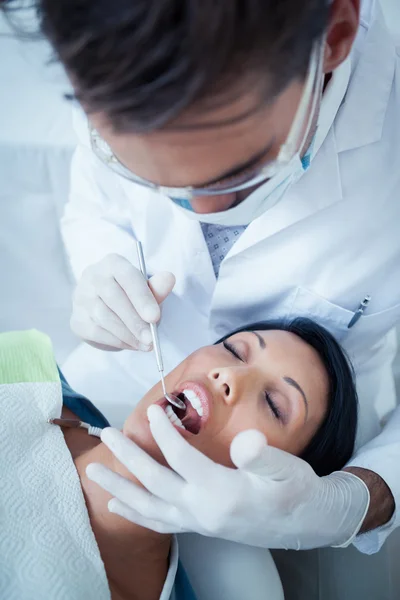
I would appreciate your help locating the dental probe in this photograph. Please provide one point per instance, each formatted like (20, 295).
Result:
(156, 342)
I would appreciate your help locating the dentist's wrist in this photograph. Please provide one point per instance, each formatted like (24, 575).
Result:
(351, 498)
(382, 504)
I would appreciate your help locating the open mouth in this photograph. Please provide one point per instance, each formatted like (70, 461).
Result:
(193, 418)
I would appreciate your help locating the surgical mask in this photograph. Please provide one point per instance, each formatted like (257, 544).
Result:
(276, 176)
(257, 203)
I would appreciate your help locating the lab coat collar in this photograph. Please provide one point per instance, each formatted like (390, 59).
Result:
(300, 202)
(373, 64)
(352, 115)
(305, 197)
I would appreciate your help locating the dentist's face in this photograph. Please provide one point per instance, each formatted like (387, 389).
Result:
(220, 141)
(268, 380)
(207, 146)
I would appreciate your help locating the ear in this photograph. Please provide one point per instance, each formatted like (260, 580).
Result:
(342, 29)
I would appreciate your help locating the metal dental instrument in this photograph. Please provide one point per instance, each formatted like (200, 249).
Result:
(156, 342)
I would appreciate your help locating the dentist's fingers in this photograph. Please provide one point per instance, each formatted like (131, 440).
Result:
(83, 326)
(251, 453)
(129, 493)
(162, 284)
(135, 286)
(183, 458)
(130, 308)
(107, 319)
(275, 465)
(113, 296)
(117, 507)
(133, 303)
(123, 489)
(159, 480)
(138, 291)
(246, 448)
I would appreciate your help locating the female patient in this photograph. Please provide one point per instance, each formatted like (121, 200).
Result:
(291, 382)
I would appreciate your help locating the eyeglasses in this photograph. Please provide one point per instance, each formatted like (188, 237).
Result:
(253, 176)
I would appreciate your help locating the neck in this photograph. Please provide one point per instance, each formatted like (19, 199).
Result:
(135, 559)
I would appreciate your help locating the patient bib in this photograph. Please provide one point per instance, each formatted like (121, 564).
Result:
(47, 547)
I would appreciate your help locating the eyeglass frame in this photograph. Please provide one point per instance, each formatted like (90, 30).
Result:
(291, 147)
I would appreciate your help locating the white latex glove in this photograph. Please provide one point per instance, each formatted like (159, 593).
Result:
(113, 304)
(273, 499)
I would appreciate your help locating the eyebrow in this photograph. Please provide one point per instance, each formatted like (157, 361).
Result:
(294, 384)
(252, 162)
(288, 380)
(261, 340)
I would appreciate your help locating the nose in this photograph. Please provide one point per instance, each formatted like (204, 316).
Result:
(230, 382)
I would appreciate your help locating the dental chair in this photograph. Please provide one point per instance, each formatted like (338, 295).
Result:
(222, 570)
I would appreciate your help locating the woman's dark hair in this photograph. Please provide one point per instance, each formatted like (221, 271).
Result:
(142, 62)
(333, 444)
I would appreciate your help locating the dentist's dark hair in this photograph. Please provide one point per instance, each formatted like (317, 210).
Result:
(142, 62)
(333, 444)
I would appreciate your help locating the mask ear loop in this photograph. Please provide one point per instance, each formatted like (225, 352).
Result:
(314, 80)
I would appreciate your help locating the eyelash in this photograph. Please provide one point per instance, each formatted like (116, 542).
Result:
(274, 408)
(228, 346)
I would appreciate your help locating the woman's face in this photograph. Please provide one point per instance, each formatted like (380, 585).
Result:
(267, 380)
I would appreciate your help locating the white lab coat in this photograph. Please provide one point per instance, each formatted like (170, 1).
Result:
(333, 239)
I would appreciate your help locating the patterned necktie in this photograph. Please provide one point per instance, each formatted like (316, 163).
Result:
(220, 240)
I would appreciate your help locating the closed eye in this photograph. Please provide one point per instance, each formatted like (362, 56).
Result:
(228, 346)
(273, 406)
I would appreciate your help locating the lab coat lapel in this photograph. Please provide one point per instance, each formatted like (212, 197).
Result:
(373, 62)
(196, 258)
(319, 187)
(370, 86)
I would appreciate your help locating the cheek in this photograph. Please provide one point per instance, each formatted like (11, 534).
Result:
(198, 364)
(217, 449)
(215, 441)
(262, 421)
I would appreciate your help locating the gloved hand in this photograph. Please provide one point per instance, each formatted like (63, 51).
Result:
(273, 499)
(113, 304)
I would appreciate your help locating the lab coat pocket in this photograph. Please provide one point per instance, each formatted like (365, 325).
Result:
(365, 336)
(369, 334)
(333, 317)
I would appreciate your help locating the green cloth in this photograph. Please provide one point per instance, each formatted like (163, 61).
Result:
(27, 357)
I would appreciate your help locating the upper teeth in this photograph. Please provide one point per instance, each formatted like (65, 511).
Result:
(194, 401)
(173, 417)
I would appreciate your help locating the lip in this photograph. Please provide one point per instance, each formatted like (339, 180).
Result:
(204, 396)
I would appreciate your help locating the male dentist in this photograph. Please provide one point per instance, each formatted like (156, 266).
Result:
(254, 149)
